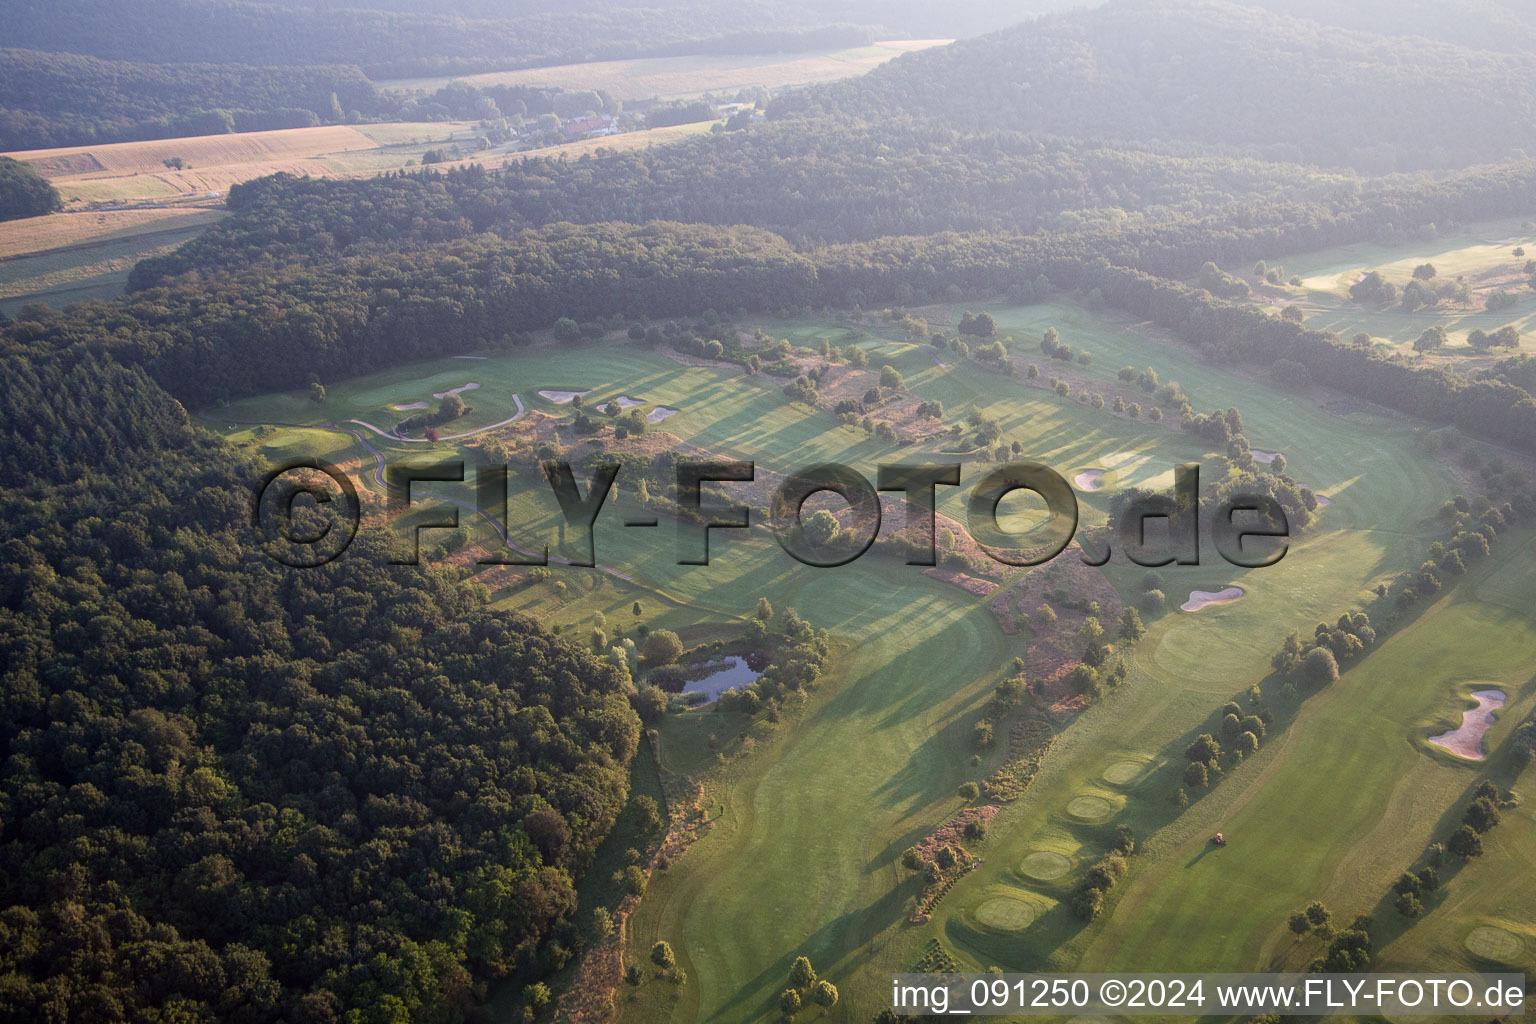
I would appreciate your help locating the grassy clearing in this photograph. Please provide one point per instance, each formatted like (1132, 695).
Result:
(621, 143)
(1339, 807)
(807, 831)
(1482, 253)
(671, 77)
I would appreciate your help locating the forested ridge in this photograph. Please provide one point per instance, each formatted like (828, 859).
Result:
(1506, 25)
(57, 99)
(237, 792)
(405, 39)
(1216, 73)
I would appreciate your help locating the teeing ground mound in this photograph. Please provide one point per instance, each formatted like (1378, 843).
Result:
(1090, 808)
(1004, 914)
(1045, 865)
(1123, 773)
(1492, 943)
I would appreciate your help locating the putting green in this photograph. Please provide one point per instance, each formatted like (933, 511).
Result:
(1045, 865)
(1005, 914)
(1123, 773)
(1492, 943)
(1090, 808)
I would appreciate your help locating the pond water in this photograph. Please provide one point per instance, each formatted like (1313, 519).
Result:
(731, 674)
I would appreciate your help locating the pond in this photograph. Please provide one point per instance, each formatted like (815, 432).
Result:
(731, 674)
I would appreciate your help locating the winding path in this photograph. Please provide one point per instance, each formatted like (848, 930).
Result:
(422, 440)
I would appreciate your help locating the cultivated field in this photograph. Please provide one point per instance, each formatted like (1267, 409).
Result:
(63, 231)
(67, 257)
(807, 831)
(674, 77)
(127, 172)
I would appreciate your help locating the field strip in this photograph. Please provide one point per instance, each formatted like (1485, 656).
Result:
(117, 158)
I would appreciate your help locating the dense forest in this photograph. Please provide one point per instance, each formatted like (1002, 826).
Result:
(54, 99)
(24, 192)
(235, 792)
(59, 99)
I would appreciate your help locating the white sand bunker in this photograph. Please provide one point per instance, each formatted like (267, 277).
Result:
(1203, 598)
(454, 391)
(1467, 741)
(660, 413)
(562, 397)
(625, 402)
(1262, 456)
(1088, 479)
(408, 406)
(1323, 501)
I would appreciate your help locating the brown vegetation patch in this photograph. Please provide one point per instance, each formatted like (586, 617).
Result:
(1029, 740)
(949, 835)
(971, 584)
(1053, 651)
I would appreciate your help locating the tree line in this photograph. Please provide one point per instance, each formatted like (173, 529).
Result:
(60, 99)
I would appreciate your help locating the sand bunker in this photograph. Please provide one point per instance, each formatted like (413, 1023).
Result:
(1090, 808)
(562, 397)
(1322, 501)
(1088, 479)
(1202, 598)
(1123, 772)
(1492, 943)
(1262, 456)
(660, 413)
(454, 391)
(1467, 741)
(408, 406)
(625, 402)
(1005, 914)
(1045, 865)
